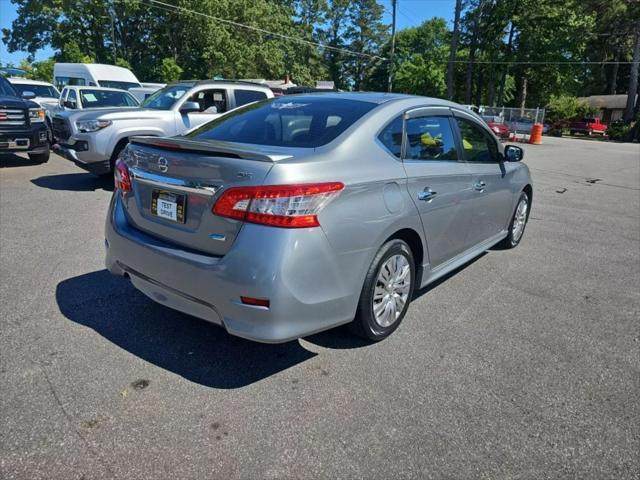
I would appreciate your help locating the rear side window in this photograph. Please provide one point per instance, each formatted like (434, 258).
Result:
(247, 96)
(286, 121)
(62, 81)
(430, 138)
(477, 145)
(391, 137)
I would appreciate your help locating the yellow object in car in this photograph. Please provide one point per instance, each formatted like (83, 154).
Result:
(467, 145)
(427, 139)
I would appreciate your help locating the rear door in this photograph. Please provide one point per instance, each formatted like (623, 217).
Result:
(490, 179)
(438, 181)
(174, 191)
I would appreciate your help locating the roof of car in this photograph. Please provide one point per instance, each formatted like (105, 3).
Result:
(87, 87)
(27, 81)
(373, 97)
(193, 83)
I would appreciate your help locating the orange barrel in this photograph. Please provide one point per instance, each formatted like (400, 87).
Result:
(536, 134)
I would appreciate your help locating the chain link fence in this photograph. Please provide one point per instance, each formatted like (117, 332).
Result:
(517, 120)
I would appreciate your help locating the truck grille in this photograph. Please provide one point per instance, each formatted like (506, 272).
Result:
(61, 129)
(12, 116)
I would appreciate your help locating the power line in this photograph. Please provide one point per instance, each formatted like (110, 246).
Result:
(159, 4)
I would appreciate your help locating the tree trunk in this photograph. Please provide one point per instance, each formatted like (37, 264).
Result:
(479, 85)
(523, 95)
(491, 95)
(471, 63)
(613, 82)
(633, 78)
(453, 50)
(503, 80)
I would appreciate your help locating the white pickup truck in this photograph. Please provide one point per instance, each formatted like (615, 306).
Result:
(93, 139)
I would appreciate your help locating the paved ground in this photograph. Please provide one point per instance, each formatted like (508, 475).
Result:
(524, 364)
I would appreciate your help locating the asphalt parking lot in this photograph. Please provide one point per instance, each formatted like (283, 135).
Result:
(523, 364)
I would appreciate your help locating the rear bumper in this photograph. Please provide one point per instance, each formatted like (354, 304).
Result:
(33, 139)
(295, 269)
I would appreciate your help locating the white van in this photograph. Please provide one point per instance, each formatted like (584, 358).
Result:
(94, 75)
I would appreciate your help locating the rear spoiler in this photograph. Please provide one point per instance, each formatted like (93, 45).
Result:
(212, 147)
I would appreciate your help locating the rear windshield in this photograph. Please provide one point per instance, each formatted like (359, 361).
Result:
(286, 122)
(106, 98)
(39, 90)
(118, 84)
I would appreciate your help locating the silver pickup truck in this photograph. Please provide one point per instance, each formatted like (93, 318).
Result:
(93, 139)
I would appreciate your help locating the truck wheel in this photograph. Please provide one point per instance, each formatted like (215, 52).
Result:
(114, 157)
(39, 157)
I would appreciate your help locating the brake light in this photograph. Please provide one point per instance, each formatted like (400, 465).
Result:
(121, 177)
(288, 206)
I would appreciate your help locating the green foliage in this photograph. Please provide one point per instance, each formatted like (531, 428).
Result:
(619, 130)
(169, 70)
(121, 62)
(567, 107)
(420, 62)
(514, 52)
(43, 70)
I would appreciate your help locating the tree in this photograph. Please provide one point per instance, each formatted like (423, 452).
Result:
(633, 78)
(169, 70)
(453, 50)
(365, 35)
(421, 59)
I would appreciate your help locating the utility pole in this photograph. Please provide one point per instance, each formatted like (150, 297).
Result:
(393, 45)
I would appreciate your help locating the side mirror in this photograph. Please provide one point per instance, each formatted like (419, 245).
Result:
(513, 153)
(28, 95)
(188, 107)
(70, 104)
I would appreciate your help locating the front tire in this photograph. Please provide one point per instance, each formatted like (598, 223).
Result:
(39, 157)
(387, 292)
(518, 223)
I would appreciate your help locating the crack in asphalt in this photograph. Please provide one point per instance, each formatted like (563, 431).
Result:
(69, 418)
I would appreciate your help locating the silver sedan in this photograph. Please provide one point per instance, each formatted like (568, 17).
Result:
(297, 214)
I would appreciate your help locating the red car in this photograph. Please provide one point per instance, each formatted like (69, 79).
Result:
(588, 126)
(500, 129)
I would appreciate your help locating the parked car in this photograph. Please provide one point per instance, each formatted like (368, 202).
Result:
(94, 75)
(46, 95)
(297, 214)
(588, 126)
(93, 139)
(80, 98)
(497, 126)
(146, 90)
(22, 124)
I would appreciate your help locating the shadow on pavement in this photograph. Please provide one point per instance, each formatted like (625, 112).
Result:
(9, 160)
(75, 182)
(418, 293)
(194, 349)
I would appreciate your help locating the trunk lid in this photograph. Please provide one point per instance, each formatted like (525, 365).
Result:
(192, 176)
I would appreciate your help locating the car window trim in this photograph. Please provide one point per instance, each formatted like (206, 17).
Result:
(427, 111)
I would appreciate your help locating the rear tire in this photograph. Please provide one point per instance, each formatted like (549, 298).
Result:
(386, 293)
(40, 157)
(518, 223)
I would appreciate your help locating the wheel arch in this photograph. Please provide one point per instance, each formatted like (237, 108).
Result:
(414, 240)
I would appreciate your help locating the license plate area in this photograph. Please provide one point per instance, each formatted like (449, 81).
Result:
(169, 205)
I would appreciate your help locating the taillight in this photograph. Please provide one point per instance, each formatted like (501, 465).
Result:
(289, 206)
(121, 177)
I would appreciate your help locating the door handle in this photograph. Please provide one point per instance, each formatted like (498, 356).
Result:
(427, 194)
(479, 186)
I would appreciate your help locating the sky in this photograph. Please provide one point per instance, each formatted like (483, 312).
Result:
(410, 13)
